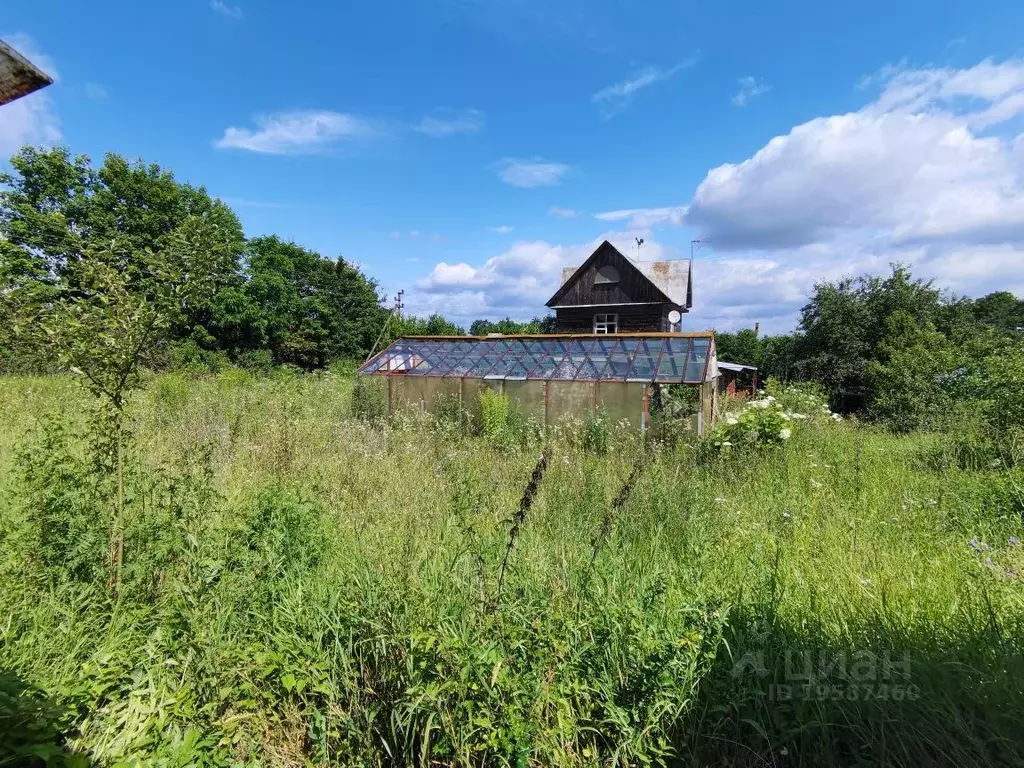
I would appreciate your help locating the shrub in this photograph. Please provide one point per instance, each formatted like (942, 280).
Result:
(188, 357)
(255, 360)
(596, 432)
(369, 398)
(450, 414)
(502, 423)
(767, 420)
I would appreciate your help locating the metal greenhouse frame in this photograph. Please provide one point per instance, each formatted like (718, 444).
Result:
(551, 376)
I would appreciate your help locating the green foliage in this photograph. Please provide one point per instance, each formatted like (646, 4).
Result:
(369, 398)
(1001, 311)
(769, 420)
(510, 327)
(63, 222)
(435, 325)
(306, 309)
(742, 347)
(597, 432)
(906, 379)
(59, 211)
(495, 412)
(502, 423)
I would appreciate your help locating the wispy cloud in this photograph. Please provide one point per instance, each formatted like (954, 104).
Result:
(642, 218)
(298, 132)
(562, 213)
(230, 11)
(502, 230)
(749, 89)
(616, 97)
(447, 122)
(531, 173)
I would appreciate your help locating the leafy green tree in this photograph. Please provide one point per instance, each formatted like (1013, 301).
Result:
(306, 309)
(908, 379)
(743, 347)
(1001, 311)
(835, 346)
(778, 357)
(57, 209)
(510, 327)
(435, 325)
(844, 324)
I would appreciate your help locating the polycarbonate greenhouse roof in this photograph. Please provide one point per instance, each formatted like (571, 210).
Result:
(666, 358)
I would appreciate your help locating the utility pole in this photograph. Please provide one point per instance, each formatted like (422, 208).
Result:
(399, 305)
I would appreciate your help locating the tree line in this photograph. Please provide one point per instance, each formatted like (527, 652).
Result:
(895, 348)
(269, 301)
(127, 246)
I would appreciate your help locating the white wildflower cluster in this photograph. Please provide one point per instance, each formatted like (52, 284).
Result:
(770, 418)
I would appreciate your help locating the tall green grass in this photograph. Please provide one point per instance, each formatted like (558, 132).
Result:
(304, 587)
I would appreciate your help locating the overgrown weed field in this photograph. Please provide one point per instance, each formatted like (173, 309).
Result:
(302, 587)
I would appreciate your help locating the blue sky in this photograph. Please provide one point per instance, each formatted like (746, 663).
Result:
(465, 150)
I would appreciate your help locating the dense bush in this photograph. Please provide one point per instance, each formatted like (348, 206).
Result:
(770, 419)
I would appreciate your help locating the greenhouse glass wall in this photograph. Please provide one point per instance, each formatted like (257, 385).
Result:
(625, 376)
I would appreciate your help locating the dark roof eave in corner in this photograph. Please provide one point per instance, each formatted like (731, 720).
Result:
(18, 76)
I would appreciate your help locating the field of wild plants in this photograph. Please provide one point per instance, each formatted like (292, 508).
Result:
(304, 587)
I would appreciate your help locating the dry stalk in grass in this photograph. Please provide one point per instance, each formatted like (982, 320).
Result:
(520, 517)
(609, 516)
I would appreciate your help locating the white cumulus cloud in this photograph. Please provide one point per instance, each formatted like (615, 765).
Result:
(641, 218)
(915, 165)
(298, 132)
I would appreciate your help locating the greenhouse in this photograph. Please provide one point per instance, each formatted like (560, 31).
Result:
(624, 376)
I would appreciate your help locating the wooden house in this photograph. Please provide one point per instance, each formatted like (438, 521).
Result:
(610, 293)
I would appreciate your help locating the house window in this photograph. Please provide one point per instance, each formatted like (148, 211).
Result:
(606, 275)
(606, 323)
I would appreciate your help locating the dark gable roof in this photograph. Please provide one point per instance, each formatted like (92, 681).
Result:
(671, 280)
(622, 263)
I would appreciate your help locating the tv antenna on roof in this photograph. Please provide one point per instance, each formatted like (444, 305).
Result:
(639, 244)
(698, 243)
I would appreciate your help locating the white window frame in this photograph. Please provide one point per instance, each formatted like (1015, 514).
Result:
(606, 323)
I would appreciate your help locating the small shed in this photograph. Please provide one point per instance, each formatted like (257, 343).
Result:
(737, 379)
(550, 377)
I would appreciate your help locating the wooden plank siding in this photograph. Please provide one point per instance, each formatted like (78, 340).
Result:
(640, 305)
(633, 286)
(633, 318)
